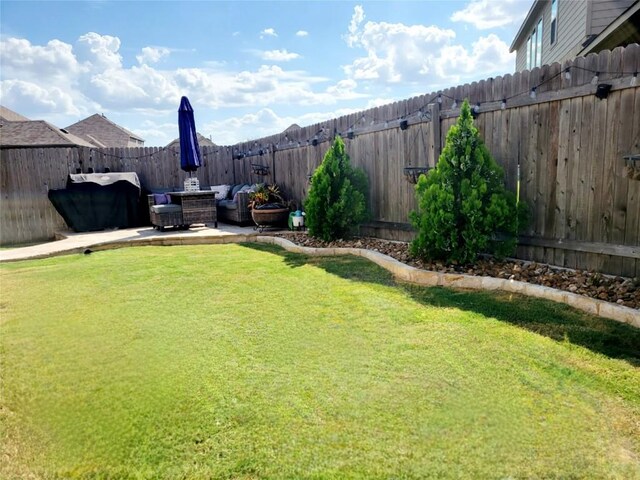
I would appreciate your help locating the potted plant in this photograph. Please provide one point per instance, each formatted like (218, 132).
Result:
(268, 207)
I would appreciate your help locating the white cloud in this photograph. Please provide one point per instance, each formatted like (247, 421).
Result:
(488, 54)
(357, 18)
(54, 63)
(100, 52)
(34, 98)
(139, 87)
(157, 133)
(278, 55)
(268, 85)
(268, 32)
(377, 102)
(302, 33)
(486, 14)
(152, 55)
(395, 52)
(263, 123)
(70, 81)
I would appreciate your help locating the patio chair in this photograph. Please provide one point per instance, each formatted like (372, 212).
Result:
(163, 213)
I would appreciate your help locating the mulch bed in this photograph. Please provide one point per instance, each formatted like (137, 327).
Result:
(623, 291)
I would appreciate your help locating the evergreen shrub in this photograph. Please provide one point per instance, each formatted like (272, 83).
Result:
(337, 199)
(463, 206)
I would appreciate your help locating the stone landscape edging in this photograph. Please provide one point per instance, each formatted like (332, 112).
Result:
(399, 270)
(418, 276)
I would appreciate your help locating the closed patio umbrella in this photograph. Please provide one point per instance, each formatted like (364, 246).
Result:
(189, 148)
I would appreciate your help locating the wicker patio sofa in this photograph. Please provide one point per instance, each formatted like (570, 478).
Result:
(234, 207)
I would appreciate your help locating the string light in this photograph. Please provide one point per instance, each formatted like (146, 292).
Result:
(422, 115)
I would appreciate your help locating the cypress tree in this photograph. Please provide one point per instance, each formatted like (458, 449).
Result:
(463, 206)
(336, 203)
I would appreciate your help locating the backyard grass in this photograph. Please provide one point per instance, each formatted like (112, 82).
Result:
(231, 361)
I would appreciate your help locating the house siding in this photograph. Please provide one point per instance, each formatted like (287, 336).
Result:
(603, 12)
(571, 33)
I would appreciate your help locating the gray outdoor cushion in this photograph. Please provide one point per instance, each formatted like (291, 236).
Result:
(167, 208)
(228, 204)
(236, 188)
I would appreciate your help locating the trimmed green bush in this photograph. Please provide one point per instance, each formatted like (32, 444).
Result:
(463, 206)
(337, 199)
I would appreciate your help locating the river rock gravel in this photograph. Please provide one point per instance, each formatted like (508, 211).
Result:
(619, 290)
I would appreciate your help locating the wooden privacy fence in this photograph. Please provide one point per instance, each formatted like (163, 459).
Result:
(563, 146)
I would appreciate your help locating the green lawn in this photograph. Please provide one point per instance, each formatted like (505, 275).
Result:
(230, 361)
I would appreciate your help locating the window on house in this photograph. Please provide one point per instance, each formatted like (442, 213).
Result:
(534, 47)
(554, 22)
(539, 44)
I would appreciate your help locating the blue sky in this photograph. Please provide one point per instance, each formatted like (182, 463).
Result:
(249, 68)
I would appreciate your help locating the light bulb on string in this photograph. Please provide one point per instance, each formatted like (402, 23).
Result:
(454, 105)
(594, 80)
(532, 93)
(503, 104)
(440, 98)
(567, 73)
(634, 79)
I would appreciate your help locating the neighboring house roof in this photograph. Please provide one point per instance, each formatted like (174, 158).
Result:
(102, 132)
(527, 24)
(202, 141)
(37, 133)
(11, 116)
(623, 31)
(291, 128)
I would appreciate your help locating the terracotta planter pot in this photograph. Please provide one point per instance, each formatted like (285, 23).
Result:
(270, 217)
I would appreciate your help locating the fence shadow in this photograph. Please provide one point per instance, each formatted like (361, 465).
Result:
(553, 320)
(347, 267)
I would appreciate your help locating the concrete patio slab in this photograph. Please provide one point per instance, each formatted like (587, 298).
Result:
(71, 242)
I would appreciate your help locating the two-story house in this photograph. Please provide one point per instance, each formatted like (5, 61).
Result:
(557, 30)
(17, 131)
(102, 132)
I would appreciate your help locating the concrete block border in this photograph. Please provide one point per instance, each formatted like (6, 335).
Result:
(399, 270)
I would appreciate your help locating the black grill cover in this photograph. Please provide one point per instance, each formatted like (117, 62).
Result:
(99, 201)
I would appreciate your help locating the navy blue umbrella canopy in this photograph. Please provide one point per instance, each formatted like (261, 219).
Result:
(189, 149)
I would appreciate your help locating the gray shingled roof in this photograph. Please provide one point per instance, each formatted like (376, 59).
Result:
(11, 116)
(101, 131)
(202, 141)
(37, 133)
(291, 128)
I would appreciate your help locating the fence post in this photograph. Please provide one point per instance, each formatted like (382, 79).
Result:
(434, 133)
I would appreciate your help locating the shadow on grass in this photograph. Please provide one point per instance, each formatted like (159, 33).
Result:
(347, 267)
(553, 320)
